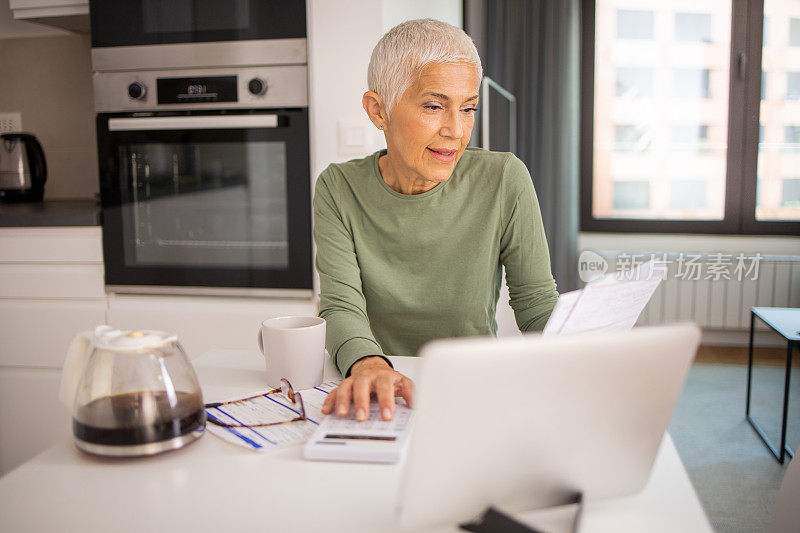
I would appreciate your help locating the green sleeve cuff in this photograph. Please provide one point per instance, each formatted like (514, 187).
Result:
(353, 350)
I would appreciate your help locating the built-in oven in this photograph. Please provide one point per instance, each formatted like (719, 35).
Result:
(158, 22)
(205, 181)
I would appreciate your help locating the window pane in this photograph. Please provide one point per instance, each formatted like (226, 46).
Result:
(691, 83)
(631, 195)
(634, 82)
(791, 140)
(687, 194)
(693, 27)
(634, 24)
(205, 204)
(793, 85)
(661, 109)
(791, 193)
(778, 196)
(794, 32)
(693, 137)
(629, 137)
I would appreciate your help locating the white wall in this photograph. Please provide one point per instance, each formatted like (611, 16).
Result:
(396, 11)
(341, 36)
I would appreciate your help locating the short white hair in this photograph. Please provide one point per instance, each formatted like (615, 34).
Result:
(408, 47)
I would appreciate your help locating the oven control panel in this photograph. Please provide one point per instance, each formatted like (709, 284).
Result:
(251, 88)
(199, 89)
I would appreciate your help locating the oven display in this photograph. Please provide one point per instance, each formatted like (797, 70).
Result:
(194, 90)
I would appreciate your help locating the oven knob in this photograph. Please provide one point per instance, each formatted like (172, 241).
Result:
(137, 90)
(257, 86)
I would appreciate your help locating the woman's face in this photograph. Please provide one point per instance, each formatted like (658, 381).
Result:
(431, 125)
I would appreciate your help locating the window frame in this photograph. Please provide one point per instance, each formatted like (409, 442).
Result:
(739, 216)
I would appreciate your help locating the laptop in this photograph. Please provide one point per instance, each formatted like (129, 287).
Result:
(529, 422)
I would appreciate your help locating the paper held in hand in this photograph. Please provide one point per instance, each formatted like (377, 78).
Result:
(613, 302)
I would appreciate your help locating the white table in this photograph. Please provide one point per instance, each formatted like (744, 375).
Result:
(212, 485)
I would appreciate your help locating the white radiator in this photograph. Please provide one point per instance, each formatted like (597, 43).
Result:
(721, 296)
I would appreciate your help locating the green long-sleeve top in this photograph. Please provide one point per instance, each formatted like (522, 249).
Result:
(398, 270)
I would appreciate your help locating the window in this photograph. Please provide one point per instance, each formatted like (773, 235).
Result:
(687, 194)
(695, 27)
(634, 24)
(790, 197)
(791, 139)
(670, 95)
(691, 137)
(691, 83)
(629, 137)
(793, 86)
(794, 32)
(633, 82)
(631, 195)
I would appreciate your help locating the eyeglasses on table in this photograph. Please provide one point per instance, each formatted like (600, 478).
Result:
(285, 388)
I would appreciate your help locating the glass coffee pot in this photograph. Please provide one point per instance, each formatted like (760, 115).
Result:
(132, 393)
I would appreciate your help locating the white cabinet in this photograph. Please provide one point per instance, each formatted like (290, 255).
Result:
(37, 333)
(51, 287)
(70, 15)
(51, 245)
(51, 281)
(31, 417)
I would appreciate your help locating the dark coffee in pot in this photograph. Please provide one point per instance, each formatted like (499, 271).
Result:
(140, 417)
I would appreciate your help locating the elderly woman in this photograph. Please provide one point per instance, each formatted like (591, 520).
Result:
(411, 239)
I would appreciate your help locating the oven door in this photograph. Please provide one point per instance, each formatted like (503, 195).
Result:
(206, 200)
(143, 22)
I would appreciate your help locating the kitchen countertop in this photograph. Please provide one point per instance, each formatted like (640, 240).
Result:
(82, 212)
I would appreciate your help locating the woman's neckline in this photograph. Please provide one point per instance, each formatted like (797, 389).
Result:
(377, 171)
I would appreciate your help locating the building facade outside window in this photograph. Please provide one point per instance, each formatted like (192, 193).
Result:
(662, 91)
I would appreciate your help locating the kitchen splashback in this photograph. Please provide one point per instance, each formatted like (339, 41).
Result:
(49, 80)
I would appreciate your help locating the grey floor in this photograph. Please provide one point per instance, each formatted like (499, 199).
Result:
(735, 476)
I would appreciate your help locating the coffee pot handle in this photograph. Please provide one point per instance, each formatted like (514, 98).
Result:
(77, 357)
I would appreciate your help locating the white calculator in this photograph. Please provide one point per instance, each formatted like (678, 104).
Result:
(372, 441)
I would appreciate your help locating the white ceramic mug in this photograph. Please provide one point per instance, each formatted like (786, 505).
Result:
(294, 348)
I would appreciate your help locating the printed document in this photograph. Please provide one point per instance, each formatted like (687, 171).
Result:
(272, 408)
(611, 303)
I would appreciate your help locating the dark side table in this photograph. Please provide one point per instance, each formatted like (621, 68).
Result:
(786, 322)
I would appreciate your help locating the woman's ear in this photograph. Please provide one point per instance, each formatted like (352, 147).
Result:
(373, 105)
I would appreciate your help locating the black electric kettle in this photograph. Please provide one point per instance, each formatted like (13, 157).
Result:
(23, 170)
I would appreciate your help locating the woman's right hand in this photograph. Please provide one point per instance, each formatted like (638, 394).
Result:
(369, 376)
